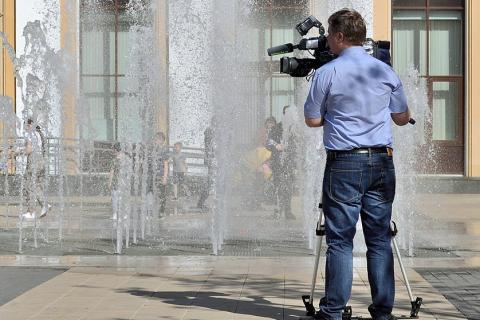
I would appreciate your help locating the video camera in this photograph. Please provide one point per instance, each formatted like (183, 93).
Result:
(297, 67)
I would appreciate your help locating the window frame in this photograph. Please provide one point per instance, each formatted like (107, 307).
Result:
(459, 135)
(427, 8)
(115, 7)
(270, 8)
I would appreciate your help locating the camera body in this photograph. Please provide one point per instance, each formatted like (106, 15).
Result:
(302, 67)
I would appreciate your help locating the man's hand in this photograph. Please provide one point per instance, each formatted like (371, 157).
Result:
(314, 123)
(401, 119)
(164, 180)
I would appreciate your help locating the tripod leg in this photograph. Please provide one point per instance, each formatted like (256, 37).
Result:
(416, 303)
(308, 299)
(315, 270)
(402, 268)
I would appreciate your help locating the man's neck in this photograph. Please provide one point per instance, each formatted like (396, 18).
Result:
(345, 46)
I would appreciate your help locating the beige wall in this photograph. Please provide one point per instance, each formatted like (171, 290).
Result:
(68, 40)
(7, 26)
(472, 87)
(68, 21)
(7, 78)
(382, 20)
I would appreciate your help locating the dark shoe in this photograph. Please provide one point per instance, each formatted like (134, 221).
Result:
(318, 316)
(390, 317)
(315, 317)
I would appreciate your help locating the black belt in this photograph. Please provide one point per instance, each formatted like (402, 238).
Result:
(332, 154)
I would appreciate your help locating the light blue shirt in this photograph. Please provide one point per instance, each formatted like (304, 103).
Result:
(355, 95)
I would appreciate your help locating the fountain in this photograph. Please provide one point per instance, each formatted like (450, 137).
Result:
(218, 77)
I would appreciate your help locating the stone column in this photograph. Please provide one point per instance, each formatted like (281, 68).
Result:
(472, 84)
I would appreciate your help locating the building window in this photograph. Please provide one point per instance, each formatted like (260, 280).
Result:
(429, 35)
(278, 19)
(445, 106)
(103, 49)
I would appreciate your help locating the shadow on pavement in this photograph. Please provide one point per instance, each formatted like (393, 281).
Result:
(247, 305)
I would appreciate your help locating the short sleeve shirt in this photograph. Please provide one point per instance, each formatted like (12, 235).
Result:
(179, 162)
(355, 94)
(155, 165)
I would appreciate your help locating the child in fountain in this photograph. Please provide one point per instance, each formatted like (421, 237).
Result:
(157, 172)
(179, 168)
(118, 180)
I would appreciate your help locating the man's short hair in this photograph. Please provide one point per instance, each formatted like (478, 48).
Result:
(350, 23)
(178, 144)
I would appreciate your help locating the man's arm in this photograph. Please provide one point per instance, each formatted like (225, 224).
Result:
(402, 118)
(314, 122)
(315, 104)
(399, 111)
(165, 172)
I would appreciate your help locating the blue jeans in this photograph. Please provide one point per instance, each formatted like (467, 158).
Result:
(353, 185)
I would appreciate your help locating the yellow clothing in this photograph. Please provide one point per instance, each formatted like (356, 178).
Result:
(256, 161)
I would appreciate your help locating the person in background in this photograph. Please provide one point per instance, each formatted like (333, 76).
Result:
(282, 198)
(35, 150)
(288, 163)
(117, 180)
(179, 168)
(157, 170)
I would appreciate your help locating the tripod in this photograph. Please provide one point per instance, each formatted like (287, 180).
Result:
(347, 312)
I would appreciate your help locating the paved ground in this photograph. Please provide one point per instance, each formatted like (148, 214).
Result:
(196, 288)
(241, 284)
(16, 280)
(460, 286)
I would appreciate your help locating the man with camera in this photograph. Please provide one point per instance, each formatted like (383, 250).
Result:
(354, 97)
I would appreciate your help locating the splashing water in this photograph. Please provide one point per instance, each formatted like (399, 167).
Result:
(217, 79)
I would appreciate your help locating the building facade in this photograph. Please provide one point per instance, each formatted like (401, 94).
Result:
(435, 36)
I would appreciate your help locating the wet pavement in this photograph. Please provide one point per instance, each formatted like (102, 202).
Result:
(249, 279)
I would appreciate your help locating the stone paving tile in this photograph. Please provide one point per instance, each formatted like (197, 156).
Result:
(258, 289)
(460, 286)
